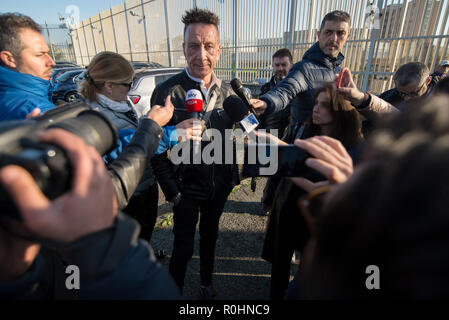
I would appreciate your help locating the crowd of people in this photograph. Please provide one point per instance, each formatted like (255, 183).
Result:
(374, 192)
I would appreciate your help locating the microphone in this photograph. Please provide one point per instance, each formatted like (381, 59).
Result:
(194, 103)
(237, 110)
(243, 93)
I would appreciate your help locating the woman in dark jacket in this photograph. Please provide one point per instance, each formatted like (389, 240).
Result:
(287, 231)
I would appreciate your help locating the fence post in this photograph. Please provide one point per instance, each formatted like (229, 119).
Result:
(168, 34)
(401, 31)
(93, 36)
(294, 4)
(113, 31)
(235, 16)
(49, 40)
(127, 29)
(144, 20)
(102, 31)
(87, 45)
(371, 52)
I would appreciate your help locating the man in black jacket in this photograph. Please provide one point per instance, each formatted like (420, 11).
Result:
(282, 63)
(319, 65)
(196, 187)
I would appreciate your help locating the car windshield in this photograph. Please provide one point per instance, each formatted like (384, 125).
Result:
(67, 75)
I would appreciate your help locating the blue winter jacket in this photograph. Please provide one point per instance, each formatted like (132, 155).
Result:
(314, 70)
(20, 93)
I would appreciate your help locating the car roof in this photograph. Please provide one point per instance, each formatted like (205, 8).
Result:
(151, 71)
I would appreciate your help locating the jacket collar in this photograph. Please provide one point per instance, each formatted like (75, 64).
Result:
(315, 54)
(24, 82)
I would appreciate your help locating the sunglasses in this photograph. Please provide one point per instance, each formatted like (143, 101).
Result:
(129, 85)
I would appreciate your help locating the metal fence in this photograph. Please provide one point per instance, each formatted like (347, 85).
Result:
(384, 34)
(59, 41)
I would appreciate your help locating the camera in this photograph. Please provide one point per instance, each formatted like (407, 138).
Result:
(48, 164)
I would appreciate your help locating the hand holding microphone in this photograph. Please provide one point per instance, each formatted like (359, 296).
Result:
(194, 106)
(238, 111)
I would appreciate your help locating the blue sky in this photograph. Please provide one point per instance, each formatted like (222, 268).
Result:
(47, 10)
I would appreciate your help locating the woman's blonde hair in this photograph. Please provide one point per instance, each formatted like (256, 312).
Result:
(105, 66)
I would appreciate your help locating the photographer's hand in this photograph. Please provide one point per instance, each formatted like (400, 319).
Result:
(88, 207)
(330, 159)
(36, 112)
(162, 115)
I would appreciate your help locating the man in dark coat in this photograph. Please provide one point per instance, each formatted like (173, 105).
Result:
(319, 65)
(282, 63)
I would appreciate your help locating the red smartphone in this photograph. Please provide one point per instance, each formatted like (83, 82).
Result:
(340, 76)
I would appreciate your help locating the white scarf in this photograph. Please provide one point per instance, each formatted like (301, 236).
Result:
(121, 106)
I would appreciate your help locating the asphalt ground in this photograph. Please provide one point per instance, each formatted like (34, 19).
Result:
(240, 273)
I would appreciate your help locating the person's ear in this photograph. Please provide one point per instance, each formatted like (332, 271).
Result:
(108, 87)
(428, 80)
(8, 59)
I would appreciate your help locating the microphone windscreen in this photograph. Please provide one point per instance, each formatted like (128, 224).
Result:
(235, 108)
(194, 101)
(236, 84)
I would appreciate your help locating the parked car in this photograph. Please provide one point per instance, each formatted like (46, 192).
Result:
(65, 64)
(140, 65)
(66, 87)
(144, 83)
(59, 71)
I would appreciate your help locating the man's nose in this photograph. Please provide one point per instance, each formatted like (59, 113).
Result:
(50, 61)
(203, 52)
(333, 37)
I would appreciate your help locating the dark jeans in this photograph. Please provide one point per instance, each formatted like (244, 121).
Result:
(143, 208)
(185, 220)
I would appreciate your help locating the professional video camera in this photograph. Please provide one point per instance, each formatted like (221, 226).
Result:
(48, 164)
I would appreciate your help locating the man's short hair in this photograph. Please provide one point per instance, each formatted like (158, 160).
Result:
(10, 26)
(199, 16)
(412, 72)
(337, 15)
(284, 52)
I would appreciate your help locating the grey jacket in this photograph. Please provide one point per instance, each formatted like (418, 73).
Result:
(314, 70)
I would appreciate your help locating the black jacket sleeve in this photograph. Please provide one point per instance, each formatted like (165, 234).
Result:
(279, 97)
(127, 170)
(163, 169)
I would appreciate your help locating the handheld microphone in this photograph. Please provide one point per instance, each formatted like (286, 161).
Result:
(237, 110)
(194, 103)
(243, 93)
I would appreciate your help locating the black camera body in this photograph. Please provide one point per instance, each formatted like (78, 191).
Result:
(48, 164)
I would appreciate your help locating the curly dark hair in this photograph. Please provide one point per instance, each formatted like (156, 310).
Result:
(199, 16)
(10, 26)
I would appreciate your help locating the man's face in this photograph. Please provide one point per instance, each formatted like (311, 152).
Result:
(413, 89)
(332, 37)
(34, 59)
(281, 67)
(201, 49)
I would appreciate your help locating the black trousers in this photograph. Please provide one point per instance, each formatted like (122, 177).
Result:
(185, 220)
(292, 233)
(143, 208)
